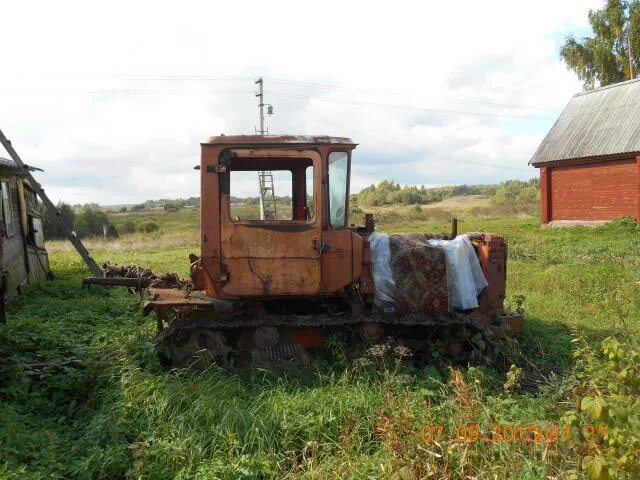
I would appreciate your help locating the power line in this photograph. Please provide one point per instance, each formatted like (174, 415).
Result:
(406, 107)
(324, 86)
(183, 77)
(397, 144)
(362, 91)
(403, 95)
(137, 91)
(337, 88)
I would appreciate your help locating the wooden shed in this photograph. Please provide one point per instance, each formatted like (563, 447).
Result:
(590, 160)
(23, 257)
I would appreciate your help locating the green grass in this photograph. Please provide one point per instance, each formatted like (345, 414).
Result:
(105, 409)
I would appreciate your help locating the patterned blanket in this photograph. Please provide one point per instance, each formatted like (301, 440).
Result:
(420, 274)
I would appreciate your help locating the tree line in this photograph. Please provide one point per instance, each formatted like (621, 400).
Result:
(167, 204)
(389, 192)
(88, 221)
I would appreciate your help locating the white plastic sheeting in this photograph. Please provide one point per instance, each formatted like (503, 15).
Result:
(384, 295)
(466, 280)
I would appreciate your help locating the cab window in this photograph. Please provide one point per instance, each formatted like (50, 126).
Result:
(338, 184)
(270, 189)
(261, 195)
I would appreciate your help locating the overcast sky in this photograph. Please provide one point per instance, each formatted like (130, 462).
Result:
(112, 99)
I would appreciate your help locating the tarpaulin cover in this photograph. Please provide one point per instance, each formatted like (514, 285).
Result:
(419, 273)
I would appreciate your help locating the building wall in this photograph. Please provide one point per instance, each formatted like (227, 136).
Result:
(38, 265)
(14, 263)
(13, 254)
(591, 191)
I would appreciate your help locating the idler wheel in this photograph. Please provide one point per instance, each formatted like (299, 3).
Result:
(454, 348)
(266, 336)
(199, 347)
(371, 332)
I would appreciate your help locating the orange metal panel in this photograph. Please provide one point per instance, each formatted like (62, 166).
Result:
(337, 266)
(210, 217)
(366, 276)
(356, 247)
(492, 253)
(266, 277)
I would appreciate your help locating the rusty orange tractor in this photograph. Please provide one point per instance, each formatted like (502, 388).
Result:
(274, 286)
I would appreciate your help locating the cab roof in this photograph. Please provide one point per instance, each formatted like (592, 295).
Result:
(277, 140)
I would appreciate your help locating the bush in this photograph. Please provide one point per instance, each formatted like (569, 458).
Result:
(517, 192)
(607, 413)
(621, 225)
(123, 209)
(128, 227)
(172, 206)
(148, 226)
(389, 192)
(138, 208)
(90, 221)
(51, 223)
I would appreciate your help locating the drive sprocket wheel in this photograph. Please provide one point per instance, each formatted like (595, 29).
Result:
(198, 347)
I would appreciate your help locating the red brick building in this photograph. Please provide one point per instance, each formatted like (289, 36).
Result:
(590, 160)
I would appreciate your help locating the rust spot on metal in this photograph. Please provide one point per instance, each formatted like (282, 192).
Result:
(265, 280)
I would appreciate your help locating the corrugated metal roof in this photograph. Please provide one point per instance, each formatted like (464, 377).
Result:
(604, 121)
(7, 163)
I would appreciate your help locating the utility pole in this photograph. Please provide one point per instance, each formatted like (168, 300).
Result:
(260, 95)
(268, 210)
(261, 106)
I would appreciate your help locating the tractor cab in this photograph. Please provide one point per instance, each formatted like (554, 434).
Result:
(296, 241)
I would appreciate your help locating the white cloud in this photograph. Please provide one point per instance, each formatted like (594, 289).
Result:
(103, 96)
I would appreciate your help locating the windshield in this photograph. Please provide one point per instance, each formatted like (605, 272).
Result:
(338, 172)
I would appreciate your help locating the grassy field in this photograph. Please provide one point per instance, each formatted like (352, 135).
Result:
(102, 407)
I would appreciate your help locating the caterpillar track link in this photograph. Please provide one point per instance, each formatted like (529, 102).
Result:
(292, 340)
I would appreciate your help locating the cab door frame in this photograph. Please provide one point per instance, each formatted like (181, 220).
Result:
(339, 265)
(270, 258)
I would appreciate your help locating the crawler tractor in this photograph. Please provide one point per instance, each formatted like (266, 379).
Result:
(275, 287)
